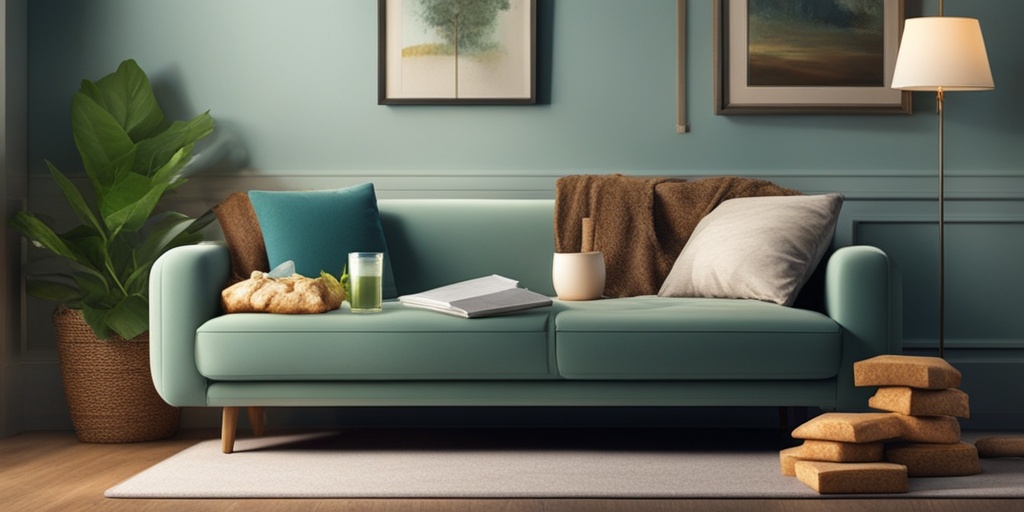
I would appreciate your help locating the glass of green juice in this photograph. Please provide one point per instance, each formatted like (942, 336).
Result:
(365, 270)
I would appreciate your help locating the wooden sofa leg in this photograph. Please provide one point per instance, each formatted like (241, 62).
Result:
(256, 420)
(228, 427)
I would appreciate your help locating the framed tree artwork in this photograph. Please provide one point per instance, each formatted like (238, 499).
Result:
(451, 52)
(807, 56)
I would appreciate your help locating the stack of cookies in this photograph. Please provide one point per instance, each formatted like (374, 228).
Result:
(875, 452)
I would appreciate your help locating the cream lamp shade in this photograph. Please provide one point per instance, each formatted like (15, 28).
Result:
(942, 53)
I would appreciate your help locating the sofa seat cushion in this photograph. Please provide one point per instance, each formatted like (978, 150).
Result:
(399, 343)
(663, 338)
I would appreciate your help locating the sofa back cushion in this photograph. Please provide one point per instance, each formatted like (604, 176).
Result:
(434, 242)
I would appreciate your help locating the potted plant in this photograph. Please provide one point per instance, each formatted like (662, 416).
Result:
(132, 156)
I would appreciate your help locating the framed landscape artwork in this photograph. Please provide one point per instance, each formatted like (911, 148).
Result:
(807, 56)
(450, 52)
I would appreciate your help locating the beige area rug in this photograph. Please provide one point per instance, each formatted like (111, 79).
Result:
(520, 463)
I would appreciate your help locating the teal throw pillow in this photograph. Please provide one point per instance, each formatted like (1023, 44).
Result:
(317, 229)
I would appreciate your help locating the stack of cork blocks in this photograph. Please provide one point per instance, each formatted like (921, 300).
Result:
(918, 435)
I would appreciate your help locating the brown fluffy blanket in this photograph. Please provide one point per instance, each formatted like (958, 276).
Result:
(641, 224)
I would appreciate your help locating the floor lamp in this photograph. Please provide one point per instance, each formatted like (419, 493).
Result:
(942, 54)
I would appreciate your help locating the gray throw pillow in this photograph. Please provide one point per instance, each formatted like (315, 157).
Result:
(762, 248)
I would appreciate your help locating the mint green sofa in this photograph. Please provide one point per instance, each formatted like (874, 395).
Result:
(638, 351)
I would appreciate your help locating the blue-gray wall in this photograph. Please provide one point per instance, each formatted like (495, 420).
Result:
(298, 79)
(293, 85)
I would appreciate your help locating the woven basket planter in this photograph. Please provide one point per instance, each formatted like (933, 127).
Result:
(108, 385)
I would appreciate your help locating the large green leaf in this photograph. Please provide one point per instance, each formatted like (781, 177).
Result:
(95, 290)
(55, 287)
(122, 261)
(95, 256)
(193, 233)
(130, 202)
(41, 234)
(170, 173)
(128, 96)
(129, 318)
(207, 218)
(133, 213)
(74, 198)
(174, 230)
(106, 149)
(96, 317)
(199, 127)
(153, 153)
(161, 234)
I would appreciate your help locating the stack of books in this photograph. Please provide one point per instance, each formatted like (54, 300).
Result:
(480, 297)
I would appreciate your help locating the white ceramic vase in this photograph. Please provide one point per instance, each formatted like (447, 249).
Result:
(578, 275)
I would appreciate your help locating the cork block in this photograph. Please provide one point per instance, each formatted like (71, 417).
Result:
(911, 371)
(829, 451)
(922, 459)
(836, 451)
(922, 402)
(861, 478)
(851, 427)
(788, 459)
(930, 429)
(1000, 446)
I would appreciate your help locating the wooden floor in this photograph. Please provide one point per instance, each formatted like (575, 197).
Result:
(44, 471)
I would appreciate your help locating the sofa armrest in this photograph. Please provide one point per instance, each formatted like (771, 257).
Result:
(184, 292)
(863, 294)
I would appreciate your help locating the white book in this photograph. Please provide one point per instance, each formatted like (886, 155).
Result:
(483, 296)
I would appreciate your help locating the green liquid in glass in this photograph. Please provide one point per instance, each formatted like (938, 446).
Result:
(365, 293)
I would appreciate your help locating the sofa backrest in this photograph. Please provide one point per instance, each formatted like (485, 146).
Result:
(434, 242)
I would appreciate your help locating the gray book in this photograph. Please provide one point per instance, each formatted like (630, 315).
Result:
(483, 296)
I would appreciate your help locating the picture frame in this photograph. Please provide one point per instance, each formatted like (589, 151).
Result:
(425, 58)
(844, 69)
